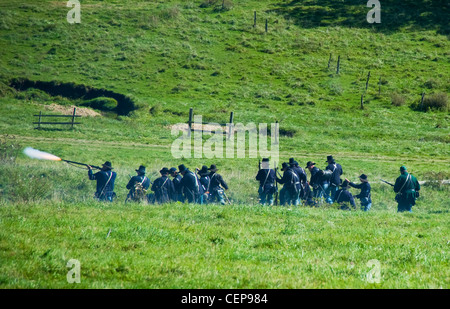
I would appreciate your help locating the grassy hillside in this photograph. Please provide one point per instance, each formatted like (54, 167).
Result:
(168, 56)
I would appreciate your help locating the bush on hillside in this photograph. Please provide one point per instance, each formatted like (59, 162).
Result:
(431, 83)
(208, 3)
(170, 13)
(102, 103)
(436, 101)
(397, 99)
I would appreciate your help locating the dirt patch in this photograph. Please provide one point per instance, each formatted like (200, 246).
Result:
(68, 110)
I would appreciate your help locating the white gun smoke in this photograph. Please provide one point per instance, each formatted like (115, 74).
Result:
(37, 154)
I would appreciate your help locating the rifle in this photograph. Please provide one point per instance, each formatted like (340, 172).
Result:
(226, 197)
(259, 164)
(387, 182)
(276, 184)
(84, 164)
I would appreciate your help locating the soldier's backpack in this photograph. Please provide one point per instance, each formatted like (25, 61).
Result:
(138, 194)
(325, 175)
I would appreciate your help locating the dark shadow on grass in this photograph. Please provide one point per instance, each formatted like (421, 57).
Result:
(438, 211)
(125, 104)
(49, 129)
(417, 14)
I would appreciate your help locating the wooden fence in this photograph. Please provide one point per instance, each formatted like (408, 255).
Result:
(72, 123)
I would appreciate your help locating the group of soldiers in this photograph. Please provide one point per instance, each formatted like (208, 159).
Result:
(327, 186)
(207, 186)
(174, 185)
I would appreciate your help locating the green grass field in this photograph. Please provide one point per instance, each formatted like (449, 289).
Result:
(169, 56)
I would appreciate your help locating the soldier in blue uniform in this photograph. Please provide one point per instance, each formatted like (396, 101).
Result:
(316, 181)
(177, 185)
(105, 182)
(364, 196)
(335, 179)
(344, 198)
(302, 176)
(291, 188)
(266, 178)
(163, 187)
(217, 186)
(192, 189)
(137, 182)
(205, 182)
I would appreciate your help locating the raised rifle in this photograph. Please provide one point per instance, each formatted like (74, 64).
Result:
(387, 182)
(276, 184)
(83, 164)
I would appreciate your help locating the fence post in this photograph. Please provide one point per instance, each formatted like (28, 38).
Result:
(73, 115)
(39, 124)
(329, 62)
(338, 64)
(276, 132)
(367, 82)
(266, 25)
(191, 111)
(254, 20)
(231, 124)
(362, 101)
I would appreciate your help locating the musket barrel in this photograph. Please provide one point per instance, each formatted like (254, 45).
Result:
(84, 164)
(387, 182)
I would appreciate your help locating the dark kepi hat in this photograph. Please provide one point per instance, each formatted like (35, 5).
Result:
(345, 184)
(141, 169)
(203, 171)
(164, 171)
(330, 158)
(181, 168)
(265, 159)
(284, 165)
(108, 165)
(363, 176)
(291, 161)
(172, 170)
(213, 168)
(403, 169)
(310, 163)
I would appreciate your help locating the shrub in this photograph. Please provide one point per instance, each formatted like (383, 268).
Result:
(170, 13)
(102, 103)
(436, 101)
(397, 99)
(155, 109)
(208, 3)
(431, 83)
(224, 5)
